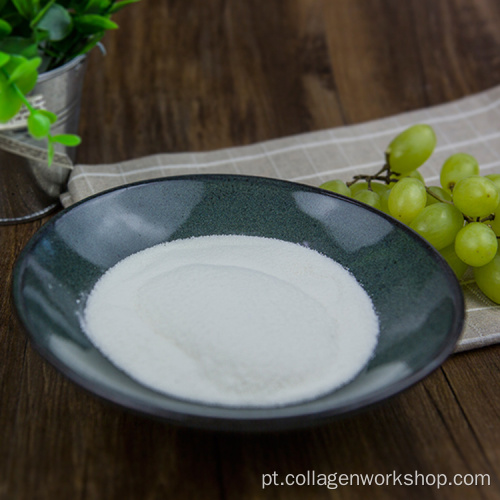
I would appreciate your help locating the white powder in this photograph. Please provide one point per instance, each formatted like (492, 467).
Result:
(233, 320)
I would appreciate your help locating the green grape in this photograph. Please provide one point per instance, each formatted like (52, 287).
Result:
(438, 223)
(495, 223)
(337, 186)
(476, 196)
(488, 278)
(440, 192)
(358, 186)
(408, 197)
(411, 148)
(476, 244)
(457, 167)
(369, 197)
(384, 201)
(459, 266)
(378, 187)
(414, 173)
(495, 178)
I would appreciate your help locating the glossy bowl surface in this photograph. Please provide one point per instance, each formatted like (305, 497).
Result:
(416, 295)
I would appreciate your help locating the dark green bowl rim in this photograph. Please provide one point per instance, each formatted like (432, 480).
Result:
(240, 423)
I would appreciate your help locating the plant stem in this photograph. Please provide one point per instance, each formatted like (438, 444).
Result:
(26, 102)
(41, 13)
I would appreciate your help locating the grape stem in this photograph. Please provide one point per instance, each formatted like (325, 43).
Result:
(375, 177)
(438, 198)
(490, 217)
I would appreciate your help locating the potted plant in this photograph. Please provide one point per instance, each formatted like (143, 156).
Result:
(43, 44)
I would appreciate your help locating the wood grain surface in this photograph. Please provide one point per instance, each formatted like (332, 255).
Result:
(206, 74)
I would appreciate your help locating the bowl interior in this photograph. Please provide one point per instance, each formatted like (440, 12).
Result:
(416, 296)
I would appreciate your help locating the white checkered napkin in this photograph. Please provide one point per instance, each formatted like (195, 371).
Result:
(470, 125)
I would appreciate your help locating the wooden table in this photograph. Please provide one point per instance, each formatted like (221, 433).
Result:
(207, 74)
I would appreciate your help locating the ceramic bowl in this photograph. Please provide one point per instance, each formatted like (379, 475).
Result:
(415, 293)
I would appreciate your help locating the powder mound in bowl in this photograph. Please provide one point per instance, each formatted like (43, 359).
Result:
(233, 321)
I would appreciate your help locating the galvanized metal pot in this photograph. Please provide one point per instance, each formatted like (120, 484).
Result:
(29, 188)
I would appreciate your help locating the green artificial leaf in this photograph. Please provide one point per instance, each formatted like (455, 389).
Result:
(5, 28)
(70, 140)
(52, 117)
(38, 125)
(90, 24)
(24, 7)
(24, 69)
(4, 59)
(10, 101)
(19, 46)
(120, 5)
(57, 22)
(12, 89)
(96, 6)
(26, 80)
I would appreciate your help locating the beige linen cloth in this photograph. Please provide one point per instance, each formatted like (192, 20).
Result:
(470, 125)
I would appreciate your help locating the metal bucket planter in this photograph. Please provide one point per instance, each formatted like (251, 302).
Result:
(29, 189)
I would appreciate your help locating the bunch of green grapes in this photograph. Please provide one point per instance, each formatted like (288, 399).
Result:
(460, 218)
